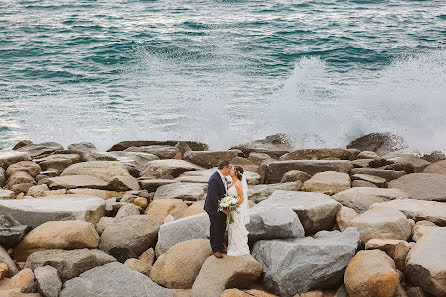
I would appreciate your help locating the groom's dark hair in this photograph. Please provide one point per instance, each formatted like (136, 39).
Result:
(223, 164)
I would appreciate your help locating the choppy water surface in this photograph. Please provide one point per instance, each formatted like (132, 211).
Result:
(222, 71)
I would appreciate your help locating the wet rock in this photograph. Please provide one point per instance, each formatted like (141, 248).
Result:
(321, 154)
(293, 266)
(195, 146)
(209, 159)
(328, 182)
(161, 151)
(422, 186)
(381, 143)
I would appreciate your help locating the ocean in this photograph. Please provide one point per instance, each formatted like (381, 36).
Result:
(223, 72)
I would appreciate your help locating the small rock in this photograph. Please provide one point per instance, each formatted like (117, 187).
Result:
(344, 217)
(396, 249)
(48, 282)
(128, 210)
(148, 256)
(30, 167)
(141, 202)
(163, 207)
(11, 231)
(138, 265)
(3, 270)
(22, 279)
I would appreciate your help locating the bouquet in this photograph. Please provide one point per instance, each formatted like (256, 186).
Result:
(228, 203)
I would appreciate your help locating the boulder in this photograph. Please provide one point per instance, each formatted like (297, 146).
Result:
(208, 159)
(48, 282)
(138, 265)
(275, 223)
(436, 168)
(36, 150)
(274, 146)
(321, 154)
(180, 265)
(34, 212)
(368, 155)
(6, 259)
(426, 263)
(345, 216)
(137, 160)
(194, 209)
(58, 162)
(371, 273)
(11, 231)
(195, 146)
(193, 227)
(103, 223)
(388, 175)
(6, 194)
(111, 280)
(375, 180)
(30, 167)
(161, 151)
(69, 263)
(418, 210)
(360, 199)
(294, 266)
(38, 191)
(7, 158)
(122, 183)
(129, 209)
(328, 182)
(163, 207)
(316, 211)
(406, 162)
(396, 249)
(57, 235)
(183, 191)
(76, 181)
(276, 170)
(2, 177)
(159, 168)
(422, 186)
(260, 158)
(381, 143)
(129, 236)
(260, 191)
(229, 272)
(363, 184)
(82, 147)
(295, 175)
(152, 184)
(103, 194)
(382, 223)
(422, 228)
(104, 170)
(20, 177)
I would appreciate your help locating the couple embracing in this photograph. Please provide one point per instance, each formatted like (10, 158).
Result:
(237, 232)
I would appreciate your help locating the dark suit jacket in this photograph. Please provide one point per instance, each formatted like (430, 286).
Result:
(216, 191)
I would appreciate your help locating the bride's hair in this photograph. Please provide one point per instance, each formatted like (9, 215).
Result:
(239, 172)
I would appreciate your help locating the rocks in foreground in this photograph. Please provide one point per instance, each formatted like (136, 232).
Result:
(299, 265)
(218, 274)
(34, 212)
(371, 273)
(426, 263)
(316, 211)
(111, 280)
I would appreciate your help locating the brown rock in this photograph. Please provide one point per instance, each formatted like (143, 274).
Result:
(22, 279)
(138, 265)
(381, 143)
(29, 167)
(396, 249)
(295, 175)
(159, 168)
(195, 208)
(163, 207)
(328, 182)
(344, 217)
(123, 183)
(422, 186)
(7, 158)
(141, 202)
(105, 170)
(76, 181)
(148, 256)
(436, 168)
(3, 270)
(104, 194)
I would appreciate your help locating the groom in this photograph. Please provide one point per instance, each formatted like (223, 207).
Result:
(217, 188)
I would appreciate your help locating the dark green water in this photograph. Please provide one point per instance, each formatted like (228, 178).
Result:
(222, 71)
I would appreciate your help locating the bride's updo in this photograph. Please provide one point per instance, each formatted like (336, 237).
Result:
(239, 172)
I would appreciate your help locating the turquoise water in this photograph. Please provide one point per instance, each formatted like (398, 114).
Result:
(222, 71)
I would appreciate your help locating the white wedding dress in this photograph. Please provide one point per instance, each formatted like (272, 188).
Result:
(237, 232)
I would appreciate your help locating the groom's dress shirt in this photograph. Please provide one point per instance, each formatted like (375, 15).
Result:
(223, 180)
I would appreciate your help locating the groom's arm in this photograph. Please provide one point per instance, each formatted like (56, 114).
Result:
(212, 192)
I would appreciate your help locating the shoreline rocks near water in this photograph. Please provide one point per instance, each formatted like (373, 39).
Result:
(368, 220)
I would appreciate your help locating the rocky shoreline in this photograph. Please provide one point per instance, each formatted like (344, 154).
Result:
(367, 220)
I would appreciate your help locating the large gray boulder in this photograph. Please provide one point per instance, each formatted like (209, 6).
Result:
(294, 266)
(382, 223)
(193, 227)
(419, 210)
(426, 263)
(274, 223)
(7, 158)
(183, 191)
(194, 145)
(260, 191)
(273, 145)
(34, 212)
(128, 237)
(316, 211)
(208, 159)
(276, 170)
(58, 162)
(48, 282)
(174, 168)
(111, 280)
(422, 186)
(69, 263)
(361, 198)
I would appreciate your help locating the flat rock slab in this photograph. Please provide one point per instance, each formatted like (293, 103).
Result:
(260, 191)
(422, 186)
(388, 175)
(328, 182)
(183, 191)
(111, 280)
(34, 212)
(316, 211)
(174, 168)
(7, 158)
(120, 146)
(276, 170)
(419, 210)
(361, 198)
(76, 181)
(294, 266)
(105, 170)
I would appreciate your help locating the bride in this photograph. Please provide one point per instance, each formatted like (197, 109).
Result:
(237, 232)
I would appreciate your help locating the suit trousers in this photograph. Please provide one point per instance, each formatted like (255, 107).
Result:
(217, 230)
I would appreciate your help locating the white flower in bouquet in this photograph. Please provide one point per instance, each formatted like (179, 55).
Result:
(228, 203)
